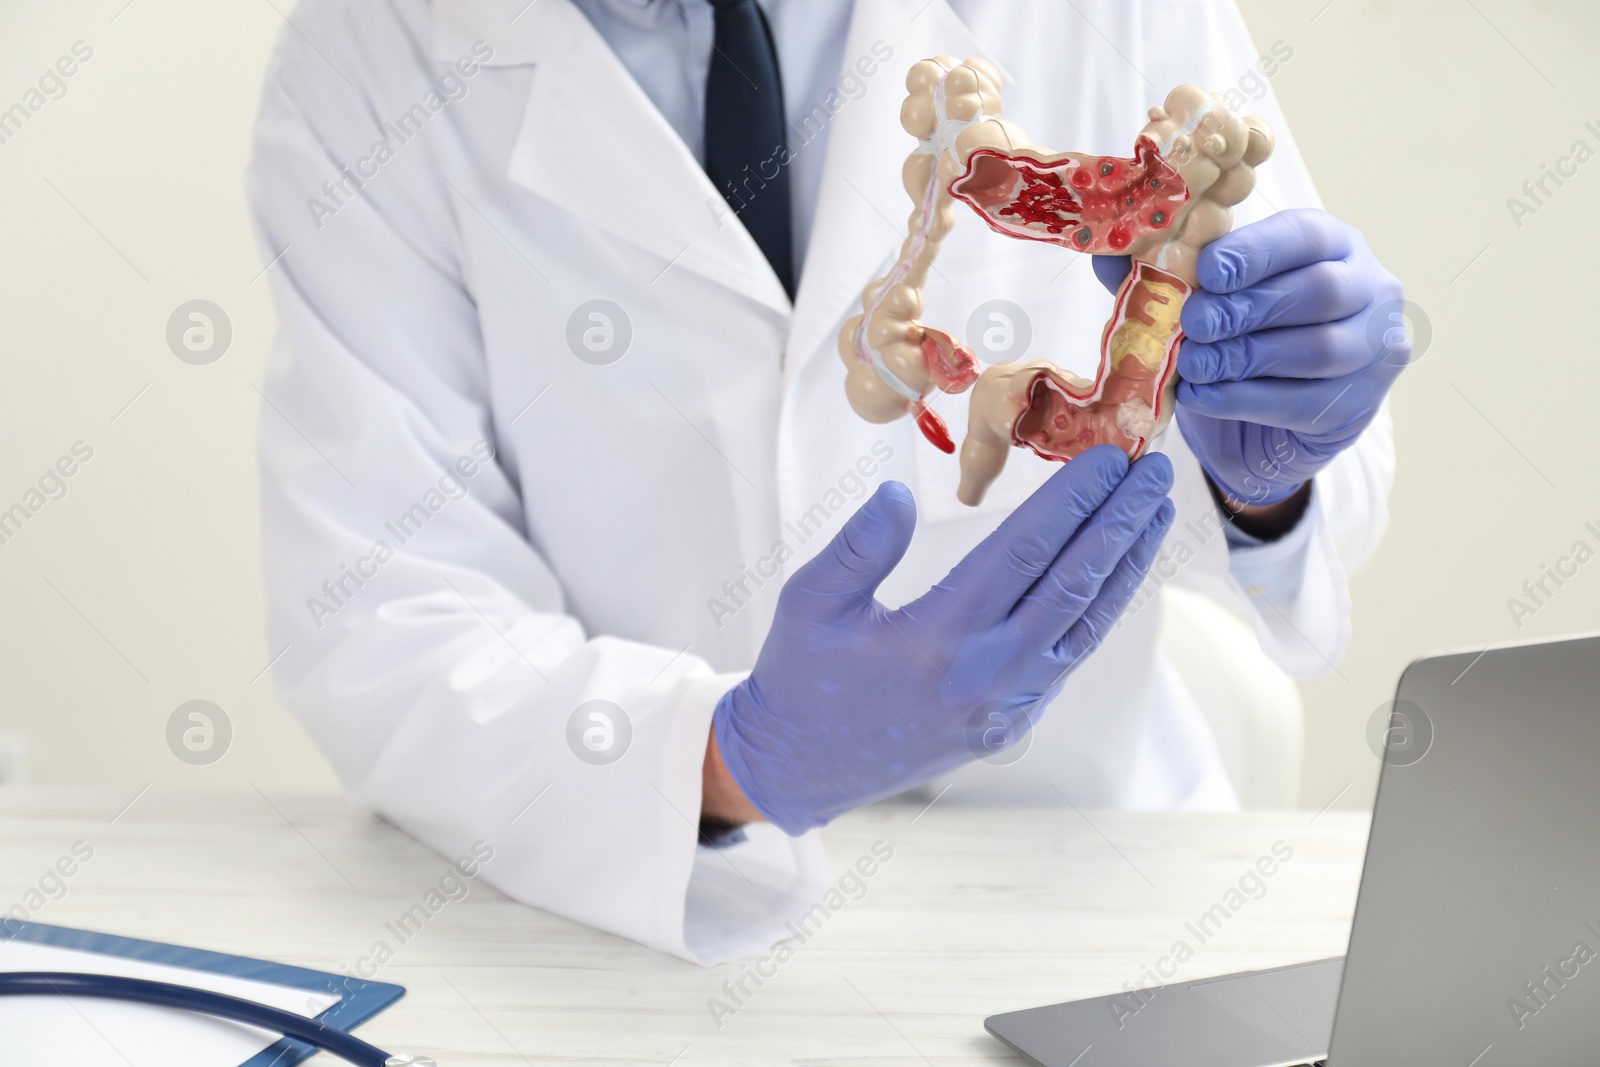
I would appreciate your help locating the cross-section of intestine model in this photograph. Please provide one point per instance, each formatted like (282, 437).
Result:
(1192, 162)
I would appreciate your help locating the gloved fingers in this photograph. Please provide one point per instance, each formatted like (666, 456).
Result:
(1323, 350)
(989, 581)
(847, 573)
(1279, 243)
(1064, 592)
(1116, 593)
(1329, 408)
(1111, 270)
(1325, 291)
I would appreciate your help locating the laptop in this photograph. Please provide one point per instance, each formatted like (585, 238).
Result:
(1476, 939)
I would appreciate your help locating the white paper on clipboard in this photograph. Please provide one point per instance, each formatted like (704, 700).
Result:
(88, 1032)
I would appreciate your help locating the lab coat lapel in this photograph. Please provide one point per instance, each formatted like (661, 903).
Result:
(592, 143)
(862, 208)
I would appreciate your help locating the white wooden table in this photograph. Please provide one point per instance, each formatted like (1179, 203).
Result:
(978, 911)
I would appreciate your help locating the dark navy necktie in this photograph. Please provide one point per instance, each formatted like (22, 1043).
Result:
(746, 141)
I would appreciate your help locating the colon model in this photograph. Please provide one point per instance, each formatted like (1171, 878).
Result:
(1192, 162)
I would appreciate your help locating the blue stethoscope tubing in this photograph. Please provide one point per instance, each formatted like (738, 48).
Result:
(113, 987)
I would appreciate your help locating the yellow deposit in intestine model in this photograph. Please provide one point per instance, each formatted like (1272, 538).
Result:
(1192, 162)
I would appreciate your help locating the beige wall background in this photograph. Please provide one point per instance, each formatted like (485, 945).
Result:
(136, 590)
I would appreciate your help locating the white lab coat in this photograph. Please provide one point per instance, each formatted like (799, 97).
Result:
(425, 321)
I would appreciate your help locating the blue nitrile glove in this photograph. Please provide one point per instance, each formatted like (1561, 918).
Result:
(851, 702)
(1290, 345)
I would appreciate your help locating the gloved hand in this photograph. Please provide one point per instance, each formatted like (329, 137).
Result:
(1290, 345)
(851, 702)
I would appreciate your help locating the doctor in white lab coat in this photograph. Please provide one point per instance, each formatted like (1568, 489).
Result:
(539, 418)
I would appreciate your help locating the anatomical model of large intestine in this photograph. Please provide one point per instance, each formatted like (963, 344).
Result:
(1192, 162)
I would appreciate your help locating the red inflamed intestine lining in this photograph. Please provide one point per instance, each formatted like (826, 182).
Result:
(1096, 204)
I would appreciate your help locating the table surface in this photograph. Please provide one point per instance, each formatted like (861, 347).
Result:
(978, 911)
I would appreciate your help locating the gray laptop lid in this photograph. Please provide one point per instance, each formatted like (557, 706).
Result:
(1476, 939)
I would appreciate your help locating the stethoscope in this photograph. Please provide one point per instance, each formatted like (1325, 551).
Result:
(111, 987)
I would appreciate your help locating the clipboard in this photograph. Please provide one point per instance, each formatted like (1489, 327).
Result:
(356, 999)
